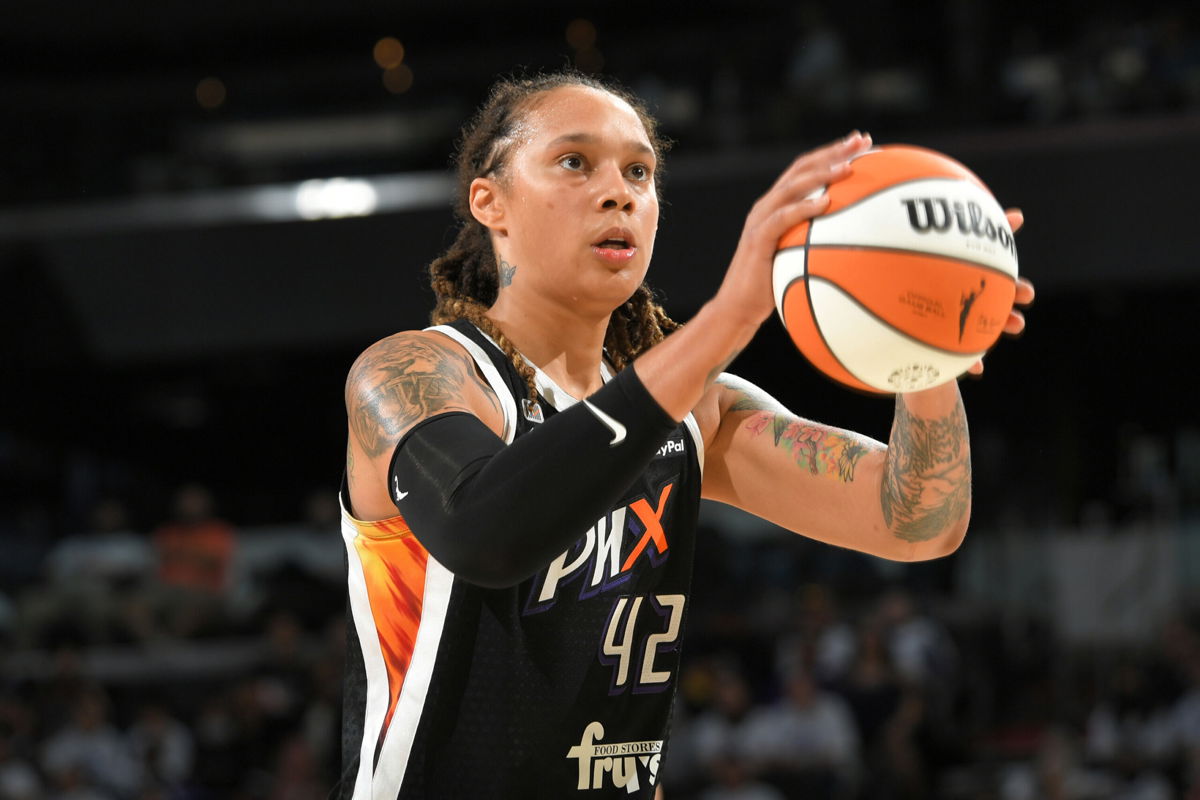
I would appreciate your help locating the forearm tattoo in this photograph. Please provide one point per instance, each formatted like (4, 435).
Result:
(404, 379)
(817, 449)
(927, 475)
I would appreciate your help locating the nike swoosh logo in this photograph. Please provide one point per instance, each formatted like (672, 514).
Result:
(617, 428)
(396, 489)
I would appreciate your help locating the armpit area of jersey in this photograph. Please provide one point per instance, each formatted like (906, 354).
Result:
(494, 514)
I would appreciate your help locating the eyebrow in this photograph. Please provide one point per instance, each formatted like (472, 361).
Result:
(587, 138)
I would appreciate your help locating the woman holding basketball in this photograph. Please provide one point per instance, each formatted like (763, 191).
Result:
(515, 627)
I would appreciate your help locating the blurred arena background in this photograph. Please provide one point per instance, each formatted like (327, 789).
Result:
(207, 210)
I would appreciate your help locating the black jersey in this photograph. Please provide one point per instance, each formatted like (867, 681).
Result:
(559, 687)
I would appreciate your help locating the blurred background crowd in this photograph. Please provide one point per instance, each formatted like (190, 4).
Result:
(184, 288)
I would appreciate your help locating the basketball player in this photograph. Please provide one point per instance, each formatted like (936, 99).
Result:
(523, 479)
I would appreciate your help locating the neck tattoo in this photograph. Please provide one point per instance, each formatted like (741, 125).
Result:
(507, 271)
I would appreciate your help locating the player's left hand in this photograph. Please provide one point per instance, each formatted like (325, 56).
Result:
(1024, 295)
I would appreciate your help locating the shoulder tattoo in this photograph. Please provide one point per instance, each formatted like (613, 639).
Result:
(402, 380)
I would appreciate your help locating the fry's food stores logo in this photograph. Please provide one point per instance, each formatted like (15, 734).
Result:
(618, 761)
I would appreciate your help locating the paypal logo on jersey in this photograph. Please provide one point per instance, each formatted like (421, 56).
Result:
(672, 447)
(604, 558)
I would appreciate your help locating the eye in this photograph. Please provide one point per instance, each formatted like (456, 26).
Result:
(640, 172)
(575, 163)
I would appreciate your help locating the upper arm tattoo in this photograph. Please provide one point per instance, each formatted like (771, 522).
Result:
(927, 476)
(404, 379)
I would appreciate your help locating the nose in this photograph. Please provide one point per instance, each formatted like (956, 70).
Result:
(614, 190)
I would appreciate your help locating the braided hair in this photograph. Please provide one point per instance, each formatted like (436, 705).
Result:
(465, 277)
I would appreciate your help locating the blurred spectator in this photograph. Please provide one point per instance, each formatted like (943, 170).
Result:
(807, 742)
(58, 694)
(732, 780)
(818, 77)
(18, 778)
(721, 728)
(297, 772)
(195, 549)
(92, 577)
(874, 694)
(231, 740)
(1032, 76)
(110, 552)
(89, 754)
(1057, 773)
(820, 640)
(163, 745)
(8, 619)
(1132, 730)
(282, 682)
(922, 651)
(73, 784)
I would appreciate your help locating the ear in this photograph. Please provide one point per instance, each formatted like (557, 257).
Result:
(487, 204)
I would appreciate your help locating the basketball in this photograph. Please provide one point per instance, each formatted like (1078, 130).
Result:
(905, 280)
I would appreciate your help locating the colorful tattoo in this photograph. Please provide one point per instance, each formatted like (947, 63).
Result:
(927, 476)
(816, 448)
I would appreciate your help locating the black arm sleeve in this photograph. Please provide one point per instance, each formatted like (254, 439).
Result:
(495, 514)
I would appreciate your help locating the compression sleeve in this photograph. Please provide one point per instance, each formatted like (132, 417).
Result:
(495, 514)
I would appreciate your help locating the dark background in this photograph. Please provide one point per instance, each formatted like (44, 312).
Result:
(156, 320)
(166, 315)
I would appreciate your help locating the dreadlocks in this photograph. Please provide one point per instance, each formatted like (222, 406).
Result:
(465, 277)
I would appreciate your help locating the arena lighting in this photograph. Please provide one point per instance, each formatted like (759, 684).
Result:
(335, 198)
(210, 93)
(269, 203)
(581, 34)
(388, 52)
(398, 79)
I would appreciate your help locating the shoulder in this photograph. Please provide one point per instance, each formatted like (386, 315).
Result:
(406, 377)
(400, 353)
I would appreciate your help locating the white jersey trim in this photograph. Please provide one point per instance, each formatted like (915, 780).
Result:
(373, 663)
(503, 393)
(694, 429)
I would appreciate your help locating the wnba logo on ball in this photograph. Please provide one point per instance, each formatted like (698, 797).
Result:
(937, 214)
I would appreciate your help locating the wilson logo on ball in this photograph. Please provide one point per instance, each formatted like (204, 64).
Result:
(938, 214)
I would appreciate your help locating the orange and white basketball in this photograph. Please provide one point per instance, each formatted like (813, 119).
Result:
(907, 278)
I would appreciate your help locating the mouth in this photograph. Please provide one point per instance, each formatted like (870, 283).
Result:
(615, 244)
(615, 239)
